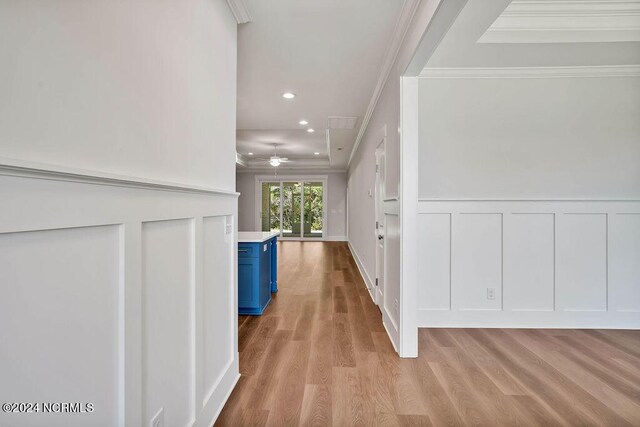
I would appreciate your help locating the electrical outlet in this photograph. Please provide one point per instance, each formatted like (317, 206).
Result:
(158, 419)
(491, 293)
(228, 228)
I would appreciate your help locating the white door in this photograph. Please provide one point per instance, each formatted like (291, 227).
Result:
(380, 222)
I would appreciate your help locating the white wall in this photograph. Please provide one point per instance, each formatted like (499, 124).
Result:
(336, 200)
(131, 88)
(530, 187)
(117, 232)
(530, 138)
(361, 175)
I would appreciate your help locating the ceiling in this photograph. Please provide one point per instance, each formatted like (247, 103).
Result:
(329, 54)
(542, 33)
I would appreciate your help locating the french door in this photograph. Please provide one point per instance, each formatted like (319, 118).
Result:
(293, 208)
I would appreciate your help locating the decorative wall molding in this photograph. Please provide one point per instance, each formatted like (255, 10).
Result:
(240, 11)
(409, 8)
(558, 264)
(26, 169)
(561, 21)
(530, 72)
(114, 254)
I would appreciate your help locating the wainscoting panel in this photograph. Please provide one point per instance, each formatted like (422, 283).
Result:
(476, 261)
(529, 272)
(168, 323)
(435, 261)
(217, 342)
(117, 292)
(624, 262)
(523, 263)
(582, 262)
(59, 322)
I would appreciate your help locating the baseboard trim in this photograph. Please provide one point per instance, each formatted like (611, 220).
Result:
(363, 272)
(223, 390)
(393, 334)
(336, 239)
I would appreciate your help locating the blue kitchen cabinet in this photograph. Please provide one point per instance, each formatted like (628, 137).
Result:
(274, 264)
(257, 273)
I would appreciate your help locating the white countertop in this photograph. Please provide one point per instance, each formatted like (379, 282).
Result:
(255, 236)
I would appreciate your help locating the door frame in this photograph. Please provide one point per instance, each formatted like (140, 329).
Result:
(259, 179)
(378, 200)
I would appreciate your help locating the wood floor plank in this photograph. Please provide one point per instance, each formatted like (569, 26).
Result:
(501, 409)
(266, 380)
(320, 356)
(339, 300)
(316, 406)
(491, 367)
(582, 374)
(591, 409)
(320, 359)
(252, 355)
(601, 363)
(286, 409)
(342, 341)
(441, 410)
(305, 321)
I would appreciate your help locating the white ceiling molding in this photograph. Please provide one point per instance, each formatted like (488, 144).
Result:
(240, 11)
(402, 25)
(291, 164)
(287, 171)
(241, 160)
(531, 72)
(566, 21)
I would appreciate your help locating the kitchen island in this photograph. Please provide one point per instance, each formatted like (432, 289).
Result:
(257, 270)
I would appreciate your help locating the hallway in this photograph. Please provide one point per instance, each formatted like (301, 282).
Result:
(320, 336)
(320, 356)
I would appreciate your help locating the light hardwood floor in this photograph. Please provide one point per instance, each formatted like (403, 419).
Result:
(320, 356)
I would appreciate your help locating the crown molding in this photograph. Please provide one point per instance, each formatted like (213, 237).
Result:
(409, 8)
(240, 11)
(289, 171)
(531, 72)
(34, 170)
(322, 163)
(241, 160)
(562, 21)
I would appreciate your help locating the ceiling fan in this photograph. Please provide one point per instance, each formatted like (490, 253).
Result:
(275, 160)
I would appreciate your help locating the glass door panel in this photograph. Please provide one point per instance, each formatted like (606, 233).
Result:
(291, 200)
(271, 206)
(313, 215)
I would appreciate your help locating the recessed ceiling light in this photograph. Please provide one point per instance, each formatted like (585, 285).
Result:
(316, 153)
(310, 130)
(303, 122)
(251, 154)
(288, 95)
